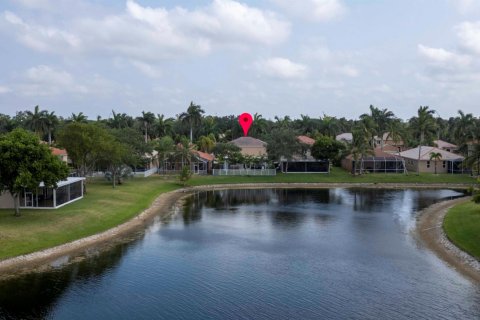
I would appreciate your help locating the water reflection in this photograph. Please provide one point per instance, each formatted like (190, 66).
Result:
(263, 253)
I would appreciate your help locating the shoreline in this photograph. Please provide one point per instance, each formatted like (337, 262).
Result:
(429, 229)
(162, 206)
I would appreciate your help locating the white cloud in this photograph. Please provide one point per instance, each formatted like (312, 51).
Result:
(44, 39)
(465, 6)
(281, 68)
(150, 34)
(442, 57)
(44, 80)
(4, 89)
(315, 10)
(348, 71)
(147, 69)
(469, 35)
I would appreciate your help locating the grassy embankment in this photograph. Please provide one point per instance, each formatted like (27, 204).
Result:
(104, 207)
(462, 226)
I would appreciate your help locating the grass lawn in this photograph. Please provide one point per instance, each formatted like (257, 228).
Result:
(462, 226)
(104, 207)
(337, 175)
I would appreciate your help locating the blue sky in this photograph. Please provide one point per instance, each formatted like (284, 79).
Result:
(274, 57)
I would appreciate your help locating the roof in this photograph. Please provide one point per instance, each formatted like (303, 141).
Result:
(389, 148)
(378, 154)
(205, 156)
(443, 144)
(425, 152)
(306, 140)
(58, 152)
(346, 136)
(68, 181)
(249, 142)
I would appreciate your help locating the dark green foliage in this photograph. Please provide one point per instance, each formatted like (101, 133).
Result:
(25, 162)
(185, 175)
(282, 142)
(327, 148)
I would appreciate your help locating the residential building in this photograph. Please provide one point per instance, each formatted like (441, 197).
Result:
(304, 162)
(250, 146)
(447, 146)
(378, 162)
(420, 158)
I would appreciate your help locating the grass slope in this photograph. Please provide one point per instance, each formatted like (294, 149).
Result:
(462, 226)
(101, 209)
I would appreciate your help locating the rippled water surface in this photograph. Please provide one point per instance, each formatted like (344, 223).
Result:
(261, 254)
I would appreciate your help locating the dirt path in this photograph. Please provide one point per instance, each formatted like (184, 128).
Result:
(163, 206)
(430, 231)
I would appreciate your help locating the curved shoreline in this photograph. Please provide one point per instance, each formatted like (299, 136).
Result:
(163, 205)
(430, 230)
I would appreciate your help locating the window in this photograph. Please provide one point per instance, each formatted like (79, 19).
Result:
(428, 164)
(443, 164)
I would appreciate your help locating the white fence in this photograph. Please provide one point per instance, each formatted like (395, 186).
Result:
(244, 172)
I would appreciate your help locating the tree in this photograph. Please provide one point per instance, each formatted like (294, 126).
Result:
(282, 143)
(206, 143)
(327, 148)
(36, 121)
(185, 175)
(192, 117)
(165, 147)
(360, 147)
(147, 119)
(435, 156)
(51, 122)
(84, 143)
(423, 124)
(228, 151)
(112, 156)
(79, 117)
(133, 141)
(164, 126)
(25, 163)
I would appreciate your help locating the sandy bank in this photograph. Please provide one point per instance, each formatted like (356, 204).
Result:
(163, 205)
(430, 231)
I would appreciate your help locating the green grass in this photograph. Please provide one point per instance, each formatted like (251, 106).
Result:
(336, 176)
(101, 209)
(462, 226)
(104, 207)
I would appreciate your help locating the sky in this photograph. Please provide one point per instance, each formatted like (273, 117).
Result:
(273, 57)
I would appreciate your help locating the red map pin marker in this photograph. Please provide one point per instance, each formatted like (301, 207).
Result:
(245, 120)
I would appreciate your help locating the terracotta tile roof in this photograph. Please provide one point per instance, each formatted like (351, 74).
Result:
(306, 140)
(205, 156)
(58, 152)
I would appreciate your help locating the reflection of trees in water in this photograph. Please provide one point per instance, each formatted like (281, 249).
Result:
(370, 200)
(287, 218)
(32, 296)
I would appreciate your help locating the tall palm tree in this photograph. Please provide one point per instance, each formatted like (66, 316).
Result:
(51, 124)
(147, 120)
(381, 120)
(329, 125)
(435, 156)
(37, 121)
(464, 130)
(259, 125)
(423, 124)
(192, 117)
(360, 147)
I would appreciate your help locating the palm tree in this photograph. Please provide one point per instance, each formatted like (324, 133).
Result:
(51, 124)
(164, 126)
(369, 127)
(192, 117)
(360, 147)
(79, 118)
(120, 120)
(146, 119)
(435, 156)
(37, 121)
(423, 124)
(259, 125)
(464, 130)
(329, 125)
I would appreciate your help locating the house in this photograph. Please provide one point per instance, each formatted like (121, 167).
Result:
(387, 142)
(345, 137)
(250, 146)
(61, 154)
(304, 162)
(149, 167)
(379, 162)
(447, 146)
(419, 158)
(200, 163)
(67, 191)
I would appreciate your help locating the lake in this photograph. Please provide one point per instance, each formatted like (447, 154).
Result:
(261, 254)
